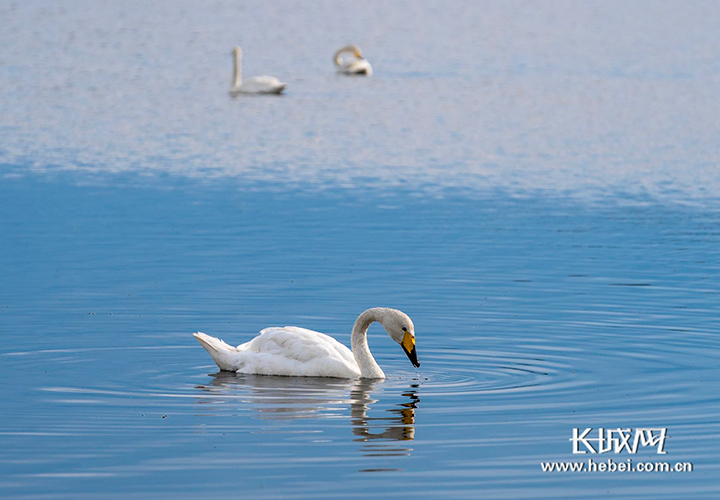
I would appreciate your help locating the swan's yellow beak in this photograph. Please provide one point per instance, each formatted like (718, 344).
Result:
(408, 345)
(358, 55)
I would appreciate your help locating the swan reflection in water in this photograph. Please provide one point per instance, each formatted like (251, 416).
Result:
(292, 398)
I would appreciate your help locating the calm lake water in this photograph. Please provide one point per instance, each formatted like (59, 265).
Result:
(535, 183)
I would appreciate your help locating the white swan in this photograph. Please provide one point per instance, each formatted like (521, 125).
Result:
(294, 351)
(254, 85)
(356, 66)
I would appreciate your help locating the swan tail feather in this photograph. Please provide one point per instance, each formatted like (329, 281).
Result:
(224, 355)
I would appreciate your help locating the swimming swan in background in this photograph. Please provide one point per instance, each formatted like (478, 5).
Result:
(357, 66)
(254, 85)
(299, 352)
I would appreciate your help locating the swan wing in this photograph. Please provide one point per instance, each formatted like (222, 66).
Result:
(262, 85)
(295, 351)
(357, 67)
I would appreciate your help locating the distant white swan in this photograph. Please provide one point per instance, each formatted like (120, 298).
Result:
(254, 85)
(354, 66)
(299, 352)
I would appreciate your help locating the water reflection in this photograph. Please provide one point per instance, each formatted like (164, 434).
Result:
(383, 425)
(397, 423)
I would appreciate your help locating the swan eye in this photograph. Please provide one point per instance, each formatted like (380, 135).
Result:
(404, 329)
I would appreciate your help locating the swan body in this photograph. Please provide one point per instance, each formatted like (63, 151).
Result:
(254, 85)
(356, 66)
(299, 352)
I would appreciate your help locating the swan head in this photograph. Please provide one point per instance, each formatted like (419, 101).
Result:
(237, 52)
(356, 52)
(401, 329)
(352, 49)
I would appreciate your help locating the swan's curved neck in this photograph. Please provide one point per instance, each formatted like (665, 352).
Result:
(358, 340)
(336, 58)
(237, 70)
